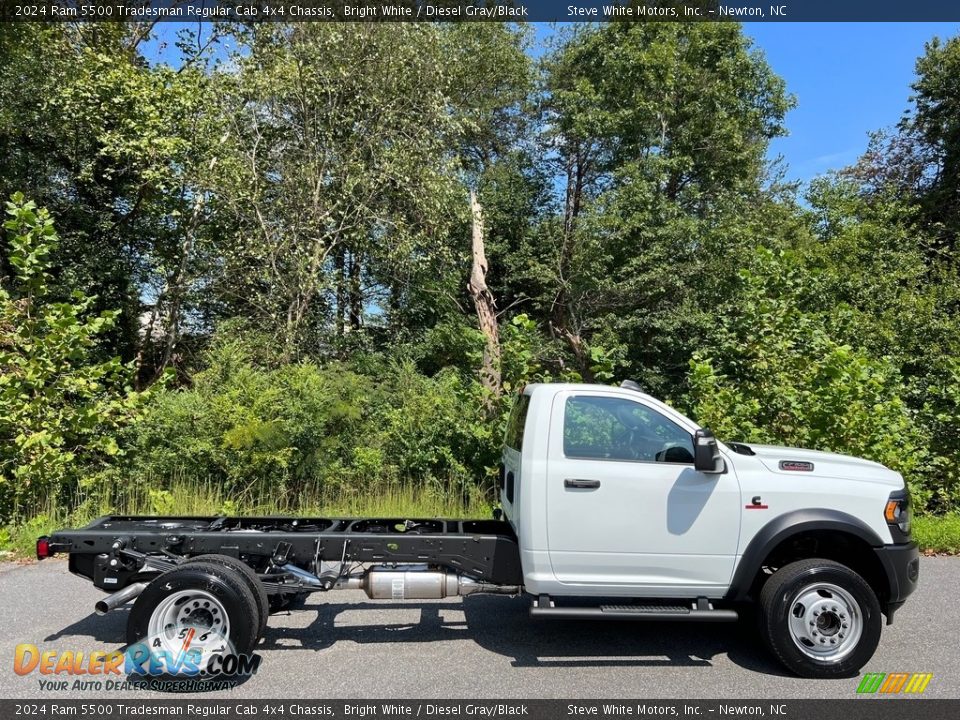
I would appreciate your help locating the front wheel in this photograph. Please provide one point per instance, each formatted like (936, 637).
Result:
(820, 618)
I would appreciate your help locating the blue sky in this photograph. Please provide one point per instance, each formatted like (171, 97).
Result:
(848, 78)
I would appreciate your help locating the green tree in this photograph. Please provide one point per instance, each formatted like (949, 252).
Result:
(334, 184)
(919, 160)
(659, 131)
(775, 375)
(60, 408)
(116, 149)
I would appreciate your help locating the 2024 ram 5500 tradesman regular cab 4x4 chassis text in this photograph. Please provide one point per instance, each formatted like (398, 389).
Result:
(615, 505)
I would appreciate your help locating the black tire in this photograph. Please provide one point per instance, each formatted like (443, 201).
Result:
(810, 604)
(226, 584)
(253, 582)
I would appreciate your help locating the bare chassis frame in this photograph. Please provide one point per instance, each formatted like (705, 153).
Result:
(115, 551)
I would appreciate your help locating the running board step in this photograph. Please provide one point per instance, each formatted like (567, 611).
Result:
(702, 611)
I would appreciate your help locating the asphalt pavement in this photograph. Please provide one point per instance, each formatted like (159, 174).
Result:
(345, 646)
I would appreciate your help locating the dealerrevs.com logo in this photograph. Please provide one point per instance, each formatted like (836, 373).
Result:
(185, 660)
(894, 683)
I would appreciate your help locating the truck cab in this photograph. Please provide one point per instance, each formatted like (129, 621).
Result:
(613, 493)
(601, 488)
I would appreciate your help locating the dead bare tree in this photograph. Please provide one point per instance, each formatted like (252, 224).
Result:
(484, 305)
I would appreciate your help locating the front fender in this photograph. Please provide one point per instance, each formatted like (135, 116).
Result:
(786, 526)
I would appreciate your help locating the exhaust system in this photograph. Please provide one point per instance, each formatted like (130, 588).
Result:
(380, 582)
(111, 602)
(418, 582)
(390, 582)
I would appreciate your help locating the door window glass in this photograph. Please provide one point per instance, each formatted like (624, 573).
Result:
(611, 428)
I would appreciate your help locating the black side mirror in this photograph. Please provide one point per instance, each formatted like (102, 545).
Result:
(706, 453)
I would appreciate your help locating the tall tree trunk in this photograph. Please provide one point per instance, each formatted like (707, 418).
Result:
(177, 287)
(483, 303)
(563, 323)
(145, 341)
(339, 262)
(355, 292)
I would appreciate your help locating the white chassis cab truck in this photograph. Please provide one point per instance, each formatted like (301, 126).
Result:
(614, 506)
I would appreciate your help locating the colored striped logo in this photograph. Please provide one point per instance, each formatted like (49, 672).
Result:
(893, 683)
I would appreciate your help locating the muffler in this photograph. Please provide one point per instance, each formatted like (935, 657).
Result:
(418, 582)
(110, 602)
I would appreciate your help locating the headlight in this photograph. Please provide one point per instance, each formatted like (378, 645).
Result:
(897, 511)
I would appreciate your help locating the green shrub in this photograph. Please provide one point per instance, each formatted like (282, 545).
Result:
(938, 534)
(776, 376)
(303, 429)
(61, 408)
(937, 394)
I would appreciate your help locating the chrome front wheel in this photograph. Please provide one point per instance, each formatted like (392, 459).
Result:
(820, 618)
(825, 622)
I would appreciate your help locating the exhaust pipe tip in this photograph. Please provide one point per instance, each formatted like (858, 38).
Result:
(111, 602)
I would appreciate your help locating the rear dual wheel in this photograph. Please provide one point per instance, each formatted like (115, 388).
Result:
(200, 607)
(250, 578)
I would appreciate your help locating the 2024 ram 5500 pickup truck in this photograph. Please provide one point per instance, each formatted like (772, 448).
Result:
(616, 506)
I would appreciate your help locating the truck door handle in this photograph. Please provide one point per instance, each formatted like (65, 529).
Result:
(581, 484)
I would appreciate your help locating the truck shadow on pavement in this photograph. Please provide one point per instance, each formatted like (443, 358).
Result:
(108, 629)
(498, 625)
(503, 626)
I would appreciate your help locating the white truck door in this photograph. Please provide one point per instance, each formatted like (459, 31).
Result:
(626, 510)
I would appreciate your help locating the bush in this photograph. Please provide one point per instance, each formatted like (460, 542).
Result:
(305, 429)
(776, 376)
(60, 407)
(937, 394)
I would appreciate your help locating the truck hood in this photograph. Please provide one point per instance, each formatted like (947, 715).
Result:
(825, 464)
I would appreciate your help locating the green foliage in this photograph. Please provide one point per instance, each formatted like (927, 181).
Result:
(281, 220)
(659, 132)
(304, 428)
(775, 375)
(936, 124)
(333, 175)
(938, 534)
(937, 395)
(60, 408)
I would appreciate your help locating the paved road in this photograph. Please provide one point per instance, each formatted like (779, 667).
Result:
(346, 646)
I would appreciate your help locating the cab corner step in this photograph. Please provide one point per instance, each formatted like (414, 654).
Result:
(700, 611)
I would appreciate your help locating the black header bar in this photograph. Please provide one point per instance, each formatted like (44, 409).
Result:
(481, 10)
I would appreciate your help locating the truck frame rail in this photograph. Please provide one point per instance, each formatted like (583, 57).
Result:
(115, 551)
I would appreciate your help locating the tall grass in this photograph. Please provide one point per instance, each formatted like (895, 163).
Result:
(938, 534)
